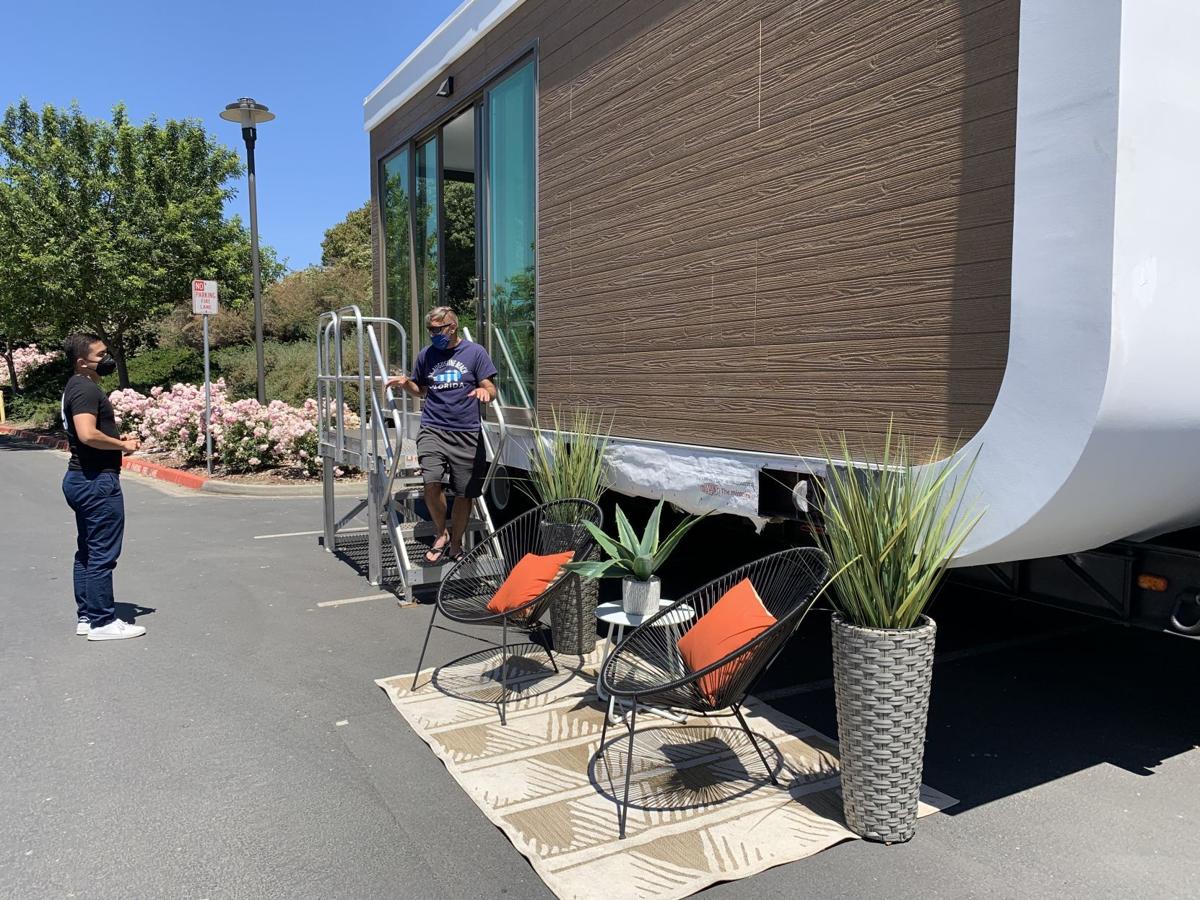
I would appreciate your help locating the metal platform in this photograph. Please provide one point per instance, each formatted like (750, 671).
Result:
(377, 436)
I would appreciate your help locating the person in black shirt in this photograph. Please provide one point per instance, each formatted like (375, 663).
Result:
(92, 487)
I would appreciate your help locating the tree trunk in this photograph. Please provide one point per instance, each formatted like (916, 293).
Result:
(116, 347)
(12, 367)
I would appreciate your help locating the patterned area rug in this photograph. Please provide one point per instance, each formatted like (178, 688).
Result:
(701, 807)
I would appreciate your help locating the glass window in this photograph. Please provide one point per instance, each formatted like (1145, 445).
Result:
(511, 235)
(458, 210)
(397, 243)
(428, 206)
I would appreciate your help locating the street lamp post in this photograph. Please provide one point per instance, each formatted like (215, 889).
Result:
(247, 113)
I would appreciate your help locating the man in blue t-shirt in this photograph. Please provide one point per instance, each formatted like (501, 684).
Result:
(453, 376)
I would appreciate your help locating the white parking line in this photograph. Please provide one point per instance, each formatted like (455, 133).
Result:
(263, 537)
(356, 599)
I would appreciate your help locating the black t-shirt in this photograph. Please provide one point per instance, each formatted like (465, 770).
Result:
(82, 395)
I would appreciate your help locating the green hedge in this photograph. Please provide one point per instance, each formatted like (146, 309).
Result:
(163, 367)
(291, 371)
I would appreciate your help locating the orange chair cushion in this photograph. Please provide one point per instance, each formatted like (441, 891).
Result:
(528, 578)
(734, 621)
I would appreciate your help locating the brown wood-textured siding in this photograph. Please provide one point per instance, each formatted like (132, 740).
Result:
(763, 220)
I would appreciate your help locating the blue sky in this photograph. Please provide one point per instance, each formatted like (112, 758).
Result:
(311, 63)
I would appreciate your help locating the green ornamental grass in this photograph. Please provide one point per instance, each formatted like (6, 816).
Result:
(891, 529)
(569, 462)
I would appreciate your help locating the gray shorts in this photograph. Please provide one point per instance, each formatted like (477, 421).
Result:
(454, 455)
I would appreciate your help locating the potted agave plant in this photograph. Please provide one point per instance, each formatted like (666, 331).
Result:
(890, 529)
(635, 559)
(567, 461)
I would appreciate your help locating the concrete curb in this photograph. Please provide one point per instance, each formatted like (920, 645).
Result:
(163, 473)
(33, 437)
(160, 472)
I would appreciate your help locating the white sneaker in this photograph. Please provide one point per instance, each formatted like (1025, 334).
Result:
(83, 627)
(116, 630)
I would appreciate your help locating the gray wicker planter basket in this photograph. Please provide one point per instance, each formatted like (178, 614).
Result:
(881, 680)
(573, 612)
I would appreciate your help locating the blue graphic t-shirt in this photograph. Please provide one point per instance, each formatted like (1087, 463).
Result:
(450, 376)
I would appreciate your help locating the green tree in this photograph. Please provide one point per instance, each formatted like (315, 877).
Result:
(348, 243)
(459, 203)
(119, 219)
(25, 256)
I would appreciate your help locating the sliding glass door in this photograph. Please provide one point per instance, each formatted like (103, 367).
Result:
(511, 235)
(459, 214)
(428, 230)
(396, 208)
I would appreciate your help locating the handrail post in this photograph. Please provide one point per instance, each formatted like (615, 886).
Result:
(512, 367)
(502, 426)
(339, 390)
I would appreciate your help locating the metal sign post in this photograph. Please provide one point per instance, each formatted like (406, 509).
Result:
(204, 303)
(207, 402)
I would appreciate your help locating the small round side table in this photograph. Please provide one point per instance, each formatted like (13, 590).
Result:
(614, 615)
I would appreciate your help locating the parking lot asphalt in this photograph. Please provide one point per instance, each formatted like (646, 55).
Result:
(242, 749)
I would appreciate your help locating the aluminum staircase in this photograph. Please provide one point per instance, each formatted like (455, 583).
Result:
(377, 435)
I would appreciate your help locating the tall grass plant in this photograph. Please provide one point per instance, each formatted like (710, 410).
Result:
(891, 528)
(568, 460)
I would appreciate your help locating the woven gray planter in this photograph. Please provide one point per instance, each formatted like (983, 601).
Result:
(881, 680)
(573, 612)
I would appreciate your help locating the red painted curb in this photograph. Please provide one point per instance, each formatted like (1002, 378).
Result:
(164, 473)
(137, 466)
(44, 439)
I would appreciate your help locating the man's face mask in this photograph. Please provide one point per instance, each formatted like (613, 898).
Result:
(106, 366)
(439, 338)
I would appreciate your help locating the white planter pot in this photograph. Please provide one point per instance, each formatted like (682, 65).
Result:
(640, 598)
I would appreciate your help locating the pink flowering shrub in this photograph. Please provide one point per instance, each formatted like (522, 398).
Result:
(171, 420)
(247, 437)
(25, 359)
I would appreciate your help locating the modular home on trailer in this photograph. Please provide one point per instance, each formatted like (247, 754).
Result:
(735, 225)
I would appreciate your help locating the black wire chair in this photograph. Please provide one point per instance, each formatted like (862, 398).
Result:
(468, 587)
(648, 668)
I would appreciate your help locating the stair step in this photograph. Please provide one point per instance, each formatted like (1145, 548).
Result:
(425, 530)
(422, 573)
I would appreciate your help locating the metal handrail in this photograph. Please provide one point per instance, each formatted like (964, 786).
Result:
(512, 368)
(324, 333)
(502, 427)
(399, 417)
(340, 379)
(372, 370)
(371, 375)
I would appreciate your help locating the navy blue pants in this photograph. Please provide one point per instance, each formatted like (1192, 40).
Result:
(100, 522)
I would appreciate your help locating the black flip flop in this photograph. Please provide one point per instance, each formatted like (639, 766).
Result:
(438, 553)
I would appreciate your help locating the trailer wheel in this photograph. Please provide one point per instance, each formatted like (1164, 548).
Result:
(1190, 601)
(500, 490)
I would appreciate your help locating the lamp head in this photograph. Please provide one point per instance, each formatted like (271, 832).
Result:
(247, 112)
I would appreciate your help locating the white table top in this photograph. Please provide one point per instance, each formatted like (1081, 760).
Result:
(613, 614)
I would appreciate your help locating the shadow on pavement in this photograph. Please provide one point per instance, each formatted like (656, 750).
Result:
(1030, 695)
(130, 612)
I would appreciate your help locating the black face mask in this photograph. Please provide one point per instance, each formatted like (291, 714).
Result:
(106, 366)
